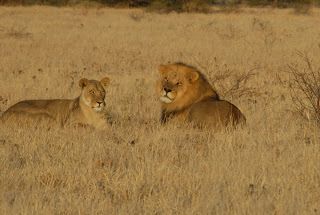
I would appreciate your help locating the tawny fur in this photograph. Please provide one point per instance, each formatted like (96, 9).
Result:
(187, 96)
(87, 109)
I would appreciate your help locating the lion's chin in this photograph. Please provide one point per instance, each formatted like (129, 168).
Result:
(97, 109)
(165, 99)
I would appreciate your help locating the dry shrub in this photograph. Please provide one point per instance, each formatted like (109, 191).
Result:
(304, 85)
(228, 82)
(233, 85)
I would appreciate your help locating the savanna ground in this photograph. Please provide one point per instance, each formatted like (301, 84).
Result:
(137, 166)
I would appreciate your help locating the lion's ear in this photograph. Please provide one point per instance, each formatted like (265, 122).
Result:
(193, 76)
(162, 69)
(105, 81)
(83, 82)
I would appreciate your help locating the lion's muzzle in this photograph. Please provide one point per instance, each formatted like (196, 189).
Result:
(99, 106)
(167, 96)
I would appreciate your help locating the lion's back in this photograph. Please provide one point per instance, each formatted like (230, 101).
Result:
(57, 110)
(216, 113)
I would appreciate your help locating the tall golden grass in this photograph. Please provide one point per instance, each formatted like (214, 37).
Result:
(138, 166)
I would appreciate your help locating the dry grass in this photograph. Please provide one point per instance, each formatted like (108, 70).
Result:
(137, 166)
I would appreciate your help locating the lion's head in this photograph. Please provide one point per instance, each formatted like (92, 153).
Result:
(181, 85)
(93, 93)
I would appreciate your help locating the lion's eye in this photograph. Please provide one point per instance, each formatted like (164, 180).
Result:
(166, 79)
(179, 83)
(91, 91)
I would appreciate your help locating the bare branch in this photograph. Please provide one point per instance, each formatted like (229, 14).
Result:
(304, 86)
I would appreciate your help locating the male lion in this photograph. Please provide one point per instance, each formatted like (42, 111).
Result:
(186, 95)
(84, 110)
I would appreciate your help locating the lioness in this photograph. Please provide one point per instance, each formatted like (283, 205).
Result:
(85, 109)
(186, 95)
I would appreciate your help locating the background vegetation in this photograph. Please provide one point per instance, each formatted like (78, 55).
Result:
(169, 5)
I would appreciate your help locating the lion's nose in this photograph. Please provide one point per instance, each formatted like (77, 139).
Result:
(167, 90)
(99, 103)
